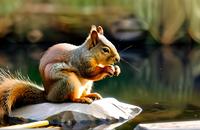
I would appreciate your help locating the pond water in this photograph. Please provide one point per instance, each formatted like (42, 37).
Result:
(163, 80)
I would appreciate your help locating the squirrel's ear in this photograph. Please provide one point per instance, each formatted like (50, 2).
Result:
(94, 38)
(100, 30)
(93, 27)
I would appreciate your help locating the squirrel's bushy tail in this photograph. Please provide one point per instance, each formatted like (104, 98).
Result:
(15, 90)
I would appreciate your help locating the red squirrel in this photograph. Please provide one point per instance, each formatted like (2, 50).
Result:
(67, 72)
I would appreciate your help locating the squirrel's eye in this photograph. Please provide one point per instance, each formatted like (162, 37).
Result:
(106, 50)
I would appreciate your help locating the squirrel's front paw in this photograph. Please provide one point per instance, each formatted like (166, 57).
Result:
(117, 70)
(112, 70)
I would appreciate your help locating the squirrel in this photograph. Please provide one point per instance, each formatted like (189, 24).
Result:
(67, 72)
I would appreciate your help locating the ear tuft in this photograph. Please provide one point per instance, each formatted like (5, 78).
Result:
(94, 37)
(93, 27)
(100, 30)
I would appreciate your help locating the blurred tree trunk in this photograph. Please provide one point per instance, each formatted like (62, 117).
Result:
(168, 20)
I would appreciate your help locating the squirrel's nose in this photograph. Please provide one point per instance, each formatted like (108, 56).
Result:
(117, 59)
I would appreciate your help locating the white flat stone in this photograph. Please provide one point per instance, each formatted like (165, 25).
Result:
(182, 125)
(105, 110)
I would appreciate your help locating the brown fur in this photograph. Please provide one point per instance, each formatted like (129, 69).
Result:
(68, 70)
(15, 91)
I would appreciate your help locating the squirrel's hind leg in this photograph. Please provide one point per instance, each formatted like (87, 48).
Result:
(94, 96)
(59, 91)
(67, 88)
(83, 100)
